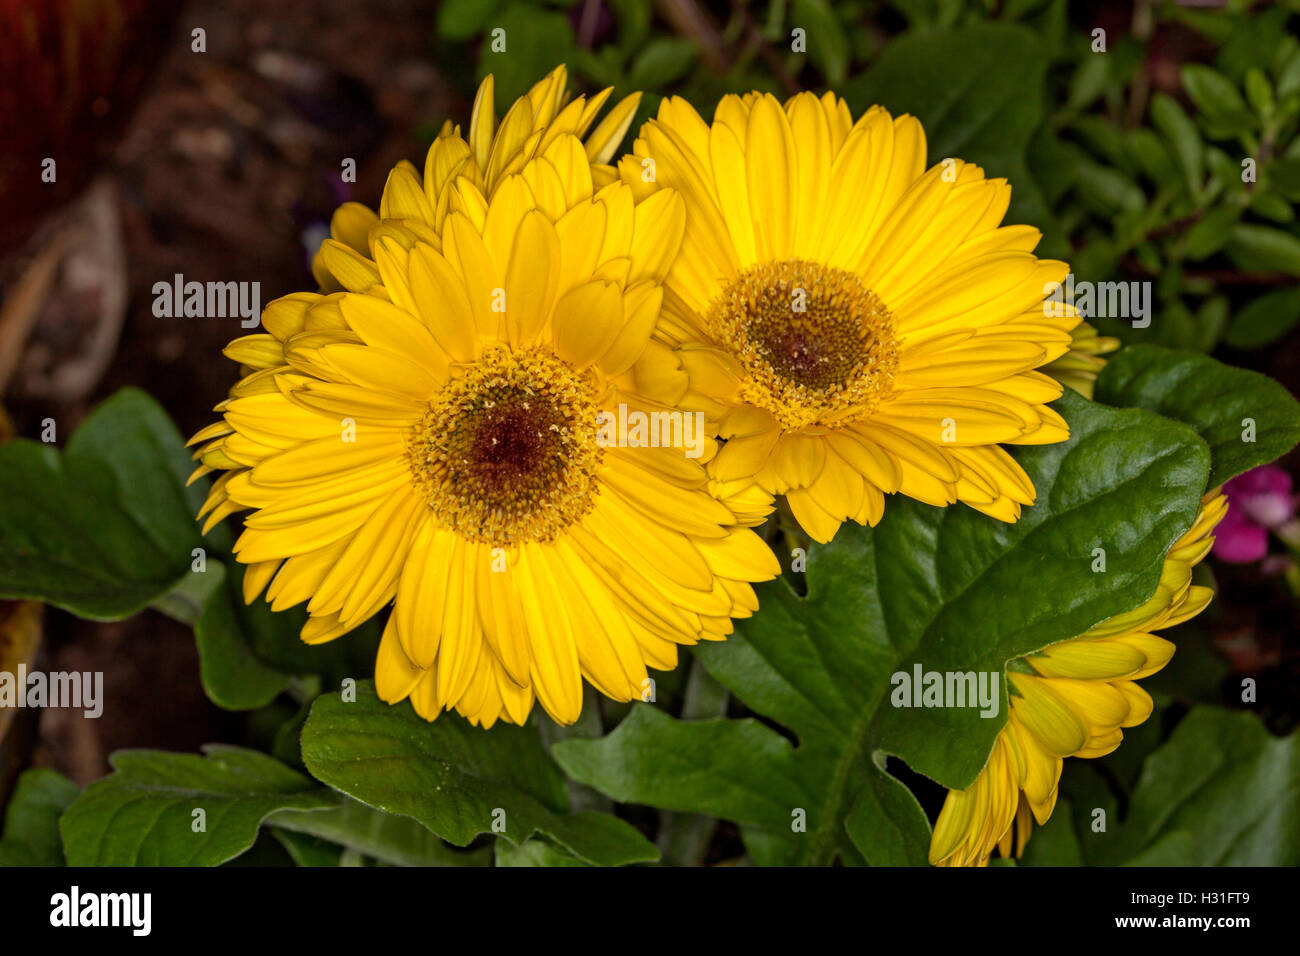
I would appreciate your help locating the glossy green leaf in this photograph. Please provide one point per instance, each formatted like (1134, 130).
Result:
(463, 19)
(1210, 90)
(31, 830)
(977, 90)
(1222, 791)
(143, 814)
(662, 62)
(1265, 320)
(533, 853)
(456, 779)
(233, 676)
(1264, 248)
(399, 840)
(887, 825)
(107, 527)
(1246, 418)
(828, 45)
(946, 590)
(1182, 136)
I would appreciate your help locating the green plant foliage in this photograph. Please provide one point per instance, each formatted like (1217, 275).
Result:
(1220, 792)
(1246, 418)
(145, 812)
(31, 830)
(385, 837)
(944, 589)
(455, 779)
(107, 527)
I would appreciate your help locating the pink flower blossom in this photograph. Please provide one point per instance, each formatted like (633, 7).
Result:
(1259, 501)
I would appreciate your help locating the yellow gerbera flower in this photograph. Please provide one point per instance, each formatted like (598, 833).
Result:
(429, 437)
(495, 150)
(1072, 699)
(1079, 367)
(855, 325)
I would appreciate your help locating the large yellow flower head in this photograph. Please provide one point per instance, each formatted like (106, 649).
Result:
(1072, 699)
(855, 325)
(496, 149)
(431, 436)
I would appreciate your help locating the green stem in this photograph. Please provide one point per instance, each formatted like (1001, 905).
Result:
(684, 837)
(587, 726)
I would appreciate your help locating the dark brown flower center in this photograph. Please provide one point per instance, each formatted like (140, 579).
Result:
(508, 452)
(817, 346)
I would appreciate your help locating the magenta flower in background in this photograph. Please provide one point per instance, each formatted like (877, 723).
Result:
(1259, 501)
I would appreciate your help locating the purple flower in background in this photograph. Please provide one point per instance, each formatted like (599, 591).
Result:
(1259, 501)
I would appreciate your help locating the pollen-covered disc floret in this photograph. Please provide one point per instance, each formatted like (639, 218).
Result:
(508, 453)
(817, 346)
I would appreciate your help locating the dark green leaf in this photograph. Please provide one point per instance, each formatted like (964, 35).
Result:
(979, 93)
(143, 813)
(1208, 236)
(887, 825)
(1259, 92)
(1211, 91)
(308, 850)
(1109, 190)
(1265, 248)
(1089, 81)
(106, 528)
(1182, 136)
(1220, 792)
(828, 45)
(462, 19)
(536, 41)
(233, 676)
(533, 853)
(1213, 398)
(393, 839)
(31, 832)
(1284, 176)
(663, 61)
(1265, 320)
(456, 779)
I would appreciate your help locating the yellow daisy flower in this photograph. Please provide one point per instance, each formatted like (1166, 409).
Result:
(1072, 699)
(429, 437)
(854, 324)
(1079, 367)
(495, 150)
